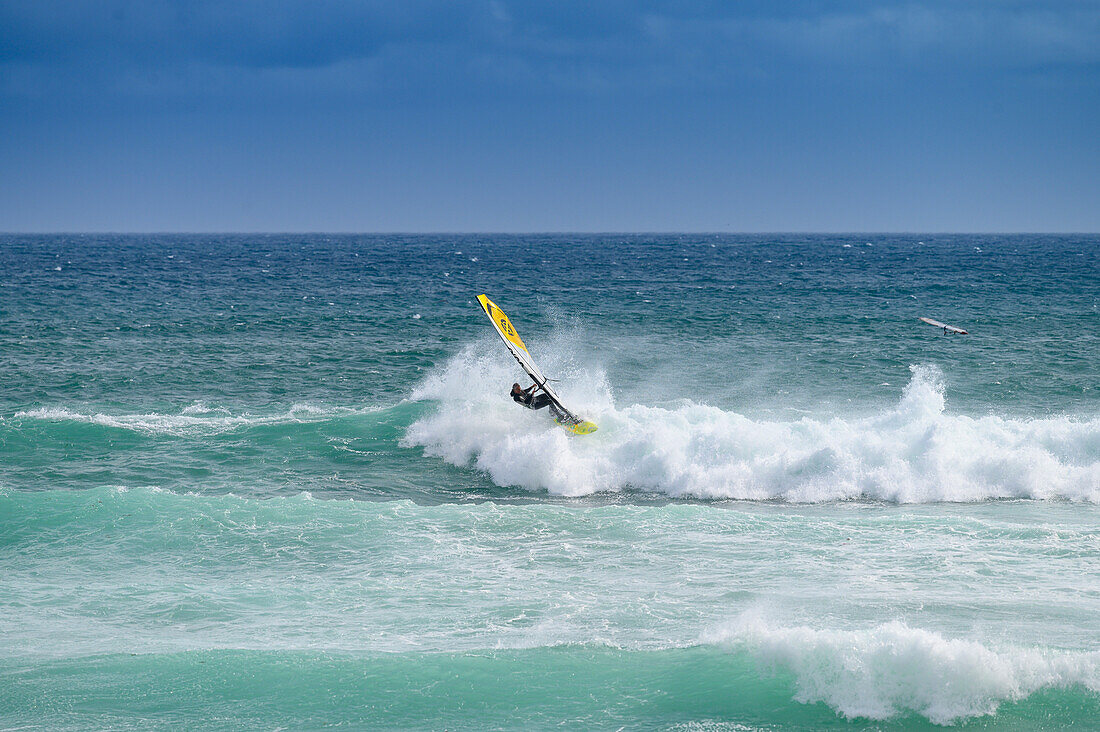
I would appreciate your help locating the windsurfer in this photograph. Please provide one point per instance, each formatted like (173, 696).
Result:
(533, 399)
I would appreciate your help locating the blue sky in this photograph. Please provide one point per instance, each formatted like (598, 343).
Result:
(410, 115)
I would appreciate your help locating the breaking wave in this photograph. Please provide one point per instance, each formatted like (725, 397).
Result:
(892, 669)
(913, 452)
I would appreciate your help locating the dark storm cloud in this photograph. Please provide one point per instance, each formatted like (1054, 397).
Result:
(279, 34)
(569, 45)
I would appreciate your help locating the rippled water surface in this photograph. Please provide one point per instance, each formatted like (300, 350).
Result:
(264, 481)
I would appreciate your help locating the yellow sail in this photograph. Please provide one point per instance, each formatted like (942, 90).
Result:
(508, 334)
(501, 322)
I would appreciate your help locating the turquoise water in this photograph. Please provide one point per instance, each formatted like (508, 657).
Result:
(275, 481)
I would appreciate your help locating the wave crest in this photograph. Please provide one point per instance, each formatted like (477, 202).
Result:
(892, 669)
(914, 452)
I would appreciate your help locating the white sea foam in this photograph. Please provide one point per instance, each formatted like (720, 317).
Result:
(197, 419)
(912, 452)
(892, 669)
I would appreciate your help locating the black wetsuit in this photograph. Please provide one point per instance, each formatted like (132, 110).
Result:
(531, 400)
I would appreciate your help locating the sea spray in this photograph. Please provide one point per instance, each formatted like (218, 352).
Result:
(914, 452)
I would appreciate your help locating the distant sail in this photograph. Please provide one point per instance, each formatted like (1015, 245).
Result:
(946, 328)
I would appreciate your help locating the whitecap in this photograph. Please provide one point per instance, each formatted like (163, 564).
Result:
(912, 452)
(893, 669)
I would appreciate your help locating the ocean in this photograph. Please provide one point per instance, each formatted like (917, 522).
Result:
(276, 482)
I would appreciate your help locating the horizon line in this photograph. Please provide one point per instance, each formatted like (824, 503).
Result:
(775, 232)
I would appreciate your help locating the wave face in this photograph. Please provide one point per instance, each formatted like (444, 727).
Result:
(590, 687)
(914, 452)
